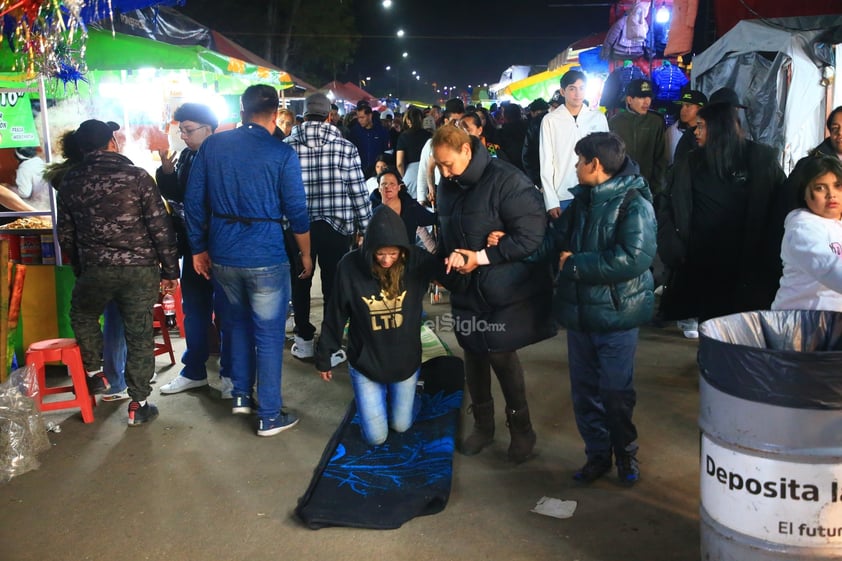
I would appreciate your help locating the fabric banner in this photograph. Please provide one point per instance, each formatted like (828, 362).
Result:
(382, 487)
(17, 126)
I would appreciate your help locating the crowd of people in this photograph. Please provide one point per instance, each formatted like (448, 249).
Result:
(551, 221)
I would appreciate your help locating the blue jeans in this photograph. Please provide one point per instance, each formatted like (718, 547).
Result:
(257, 300)
(601, 383)
(199, 301)
(114, 348)
(373, 401)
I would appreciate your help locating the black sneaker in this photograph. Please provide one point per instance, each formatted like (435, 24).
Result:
(139, 415)
(628, 470)
(593, 469)
(97, 383)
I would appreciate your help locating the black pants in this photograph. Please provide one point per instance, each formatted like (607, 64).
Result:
(327, 246)
(509, 373)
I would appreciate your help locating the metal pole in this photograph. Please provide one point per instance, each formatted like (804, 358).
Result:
(48, 157)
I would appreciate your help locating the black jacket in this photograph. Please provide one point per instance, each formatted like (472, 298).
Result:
(754, 284)
(412, 213)
(530, 157)
(384, 341)
(507, 303)
(172, 187)
(511, 137)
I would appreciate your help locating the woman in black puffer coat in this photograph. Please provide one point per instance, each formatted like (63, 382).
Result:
(507, 302)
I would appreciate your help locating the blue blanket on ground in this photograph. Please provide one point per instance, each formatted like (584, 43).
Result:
(364, 486)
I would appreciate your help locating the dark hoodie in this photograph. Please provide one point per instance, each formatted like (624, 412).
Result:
(384, 335)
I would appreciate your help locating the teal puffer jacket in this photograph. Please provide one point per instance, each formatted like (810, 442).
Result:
(606, 285)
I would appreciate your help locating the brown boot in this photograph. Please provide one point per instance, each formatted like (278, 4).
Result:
(483, 433)
(523, 437)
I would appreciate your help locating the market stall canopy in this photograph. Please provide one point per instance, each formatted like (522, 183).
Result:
(117, 57)
(776, 67)
(171, 26)
(351, 93)
(543, 85)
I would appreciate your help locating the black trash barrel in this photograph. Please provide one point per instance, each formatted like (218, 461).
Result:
(770, 395)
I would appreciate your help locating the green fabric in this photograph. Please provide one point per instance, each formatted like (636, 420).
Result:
(543, 84)
(431, 345)
(113, 58)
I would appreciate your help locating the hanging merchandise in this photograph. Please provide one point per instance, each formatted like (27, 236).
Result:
(627, 37)
(659, 31)
(592, 63)
(614, 89)
(668, 80)
(682, 27)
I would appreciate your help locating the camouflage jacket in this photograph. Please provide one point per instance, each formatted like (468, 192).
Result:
(111, 213)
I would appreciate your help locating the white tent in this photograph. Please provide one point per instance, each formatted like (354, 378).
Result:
(777, 69)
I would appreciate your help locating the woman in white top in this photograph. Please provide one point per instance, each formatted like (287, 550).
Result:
(812, 244)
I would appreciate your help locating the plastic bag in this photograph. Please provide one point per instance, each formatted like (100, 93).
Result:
(788, 358)
(22, 432)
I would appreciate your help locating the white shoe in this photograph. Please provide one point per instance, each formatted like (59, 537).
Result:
(338, 358)
(302, 348)
(226, 386)
(119, 396)
(154, 378)
(180, 384)
(691, 334)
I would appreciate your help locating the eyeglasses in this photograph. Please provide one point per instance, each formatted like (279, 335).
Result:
(188, 132)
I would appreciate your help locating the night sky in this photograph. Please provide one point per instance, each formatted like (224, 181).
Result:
(458, 43)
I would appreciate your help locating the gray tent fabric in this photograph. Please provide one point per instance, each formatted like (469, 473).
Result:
(773, 66)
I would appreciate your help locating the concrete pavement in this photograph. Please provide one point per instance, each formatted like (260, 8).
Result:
(198, 484)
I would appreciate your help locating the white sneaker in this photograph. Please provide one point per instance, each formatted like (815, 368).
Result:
(180, 384)
(119, 396)
(691, 334)
(226, 386)
(302, 348)
(338, 358)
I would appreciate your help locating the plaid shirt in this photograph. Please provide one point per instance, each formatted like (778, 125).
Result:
(332, 176)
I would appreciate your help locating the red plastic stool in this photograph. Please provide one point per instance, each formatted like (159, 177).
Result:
(67, 352)
(159, 321)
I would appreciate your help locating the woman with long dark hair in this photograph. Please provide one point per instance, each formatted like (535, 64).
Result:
(714, 222)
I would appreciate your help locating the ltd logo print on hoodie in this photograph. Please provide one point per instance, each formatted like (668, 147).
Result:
(386, 313)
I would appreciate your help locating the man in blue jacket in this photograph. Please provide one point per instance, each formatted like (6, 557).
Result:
(242, 184)
(605, 291)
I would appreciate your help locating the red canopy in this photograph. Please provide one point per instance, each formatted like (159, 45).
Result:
(352, 93)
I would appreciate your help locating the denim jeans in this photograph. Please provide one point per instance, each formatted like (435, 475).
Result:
(199, 300)
(381, 406)
(601, 383)
(114, 348)
(256, 309)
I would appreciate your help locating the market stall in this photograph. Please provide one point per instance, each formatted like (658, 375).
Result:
(138, 83)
